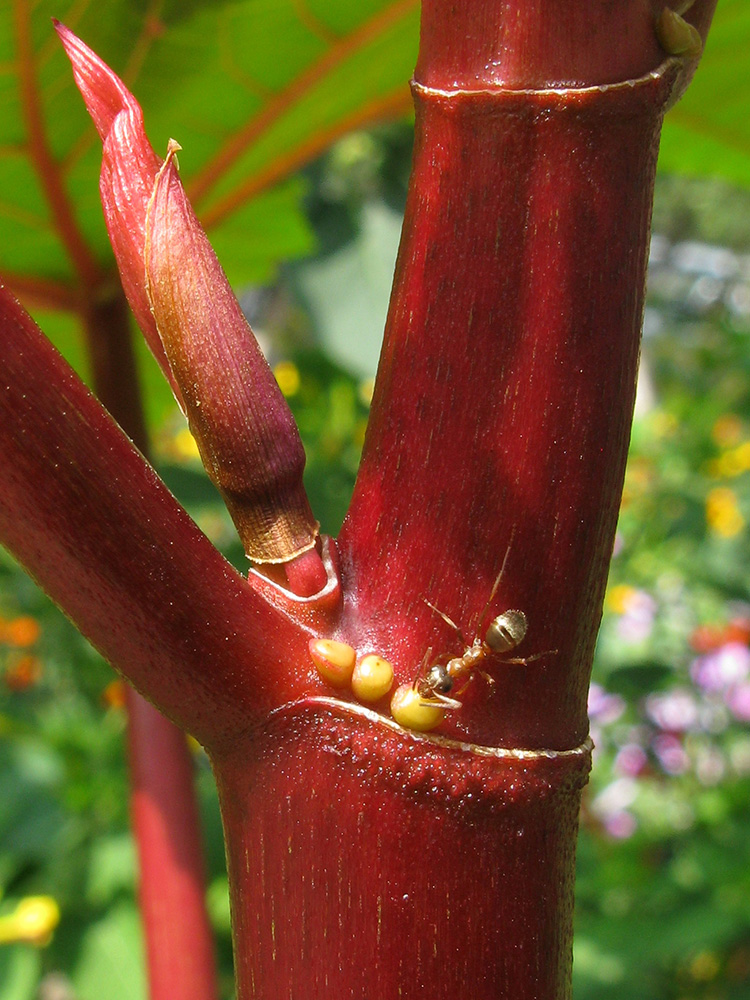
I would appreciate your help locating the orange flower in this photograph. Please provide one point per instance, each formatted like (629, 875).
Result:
(22, 673)
(113, 695)
(21, 632)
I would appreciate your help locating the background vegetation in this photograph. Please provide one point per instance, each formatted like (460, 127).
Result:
(664, 857)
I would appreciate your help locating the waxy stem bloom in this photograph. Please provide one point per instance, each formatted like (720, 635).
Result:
(194, 325)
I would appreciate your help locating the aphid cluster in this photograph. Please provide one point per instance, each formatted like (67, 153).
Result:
(421, 704)
(369, 678)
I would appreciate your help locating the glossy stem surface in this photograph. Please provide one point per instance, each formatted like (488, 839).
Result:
(365, 863)
(172, 883)
(502, 408)
(93, 524)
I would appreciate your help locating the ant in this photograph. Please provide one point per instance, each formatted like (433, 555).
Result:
(503, 634)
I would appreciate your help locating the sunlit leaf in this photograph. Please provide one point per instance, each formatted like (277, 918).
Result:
(708, 132)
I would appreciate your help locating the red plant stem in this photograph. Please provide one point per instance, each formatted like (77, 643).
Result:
(179, 941)
(172, 884)
(505, 392)
(415, 866)
(364, 860)
(114, 375)
(364, 863)
(93, 524)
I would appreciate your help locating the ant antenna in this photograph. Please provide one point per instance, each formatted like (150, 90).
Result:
(496, 584)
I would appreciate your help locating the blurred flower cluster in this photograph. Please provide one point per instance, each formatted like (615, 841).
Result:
(663, 890)
(20, 666)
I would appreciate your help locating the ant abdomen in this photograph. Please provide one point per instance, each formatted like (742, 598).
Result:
(506, 631)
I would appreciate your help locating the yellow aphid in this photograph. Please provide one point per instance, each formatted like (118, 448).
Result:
(372, 678)
(412, 711)
(334, 660)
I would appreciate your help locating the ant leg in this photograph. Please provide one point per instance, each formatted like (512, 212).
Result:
(443, 700)
(447, 620)
(528, 659)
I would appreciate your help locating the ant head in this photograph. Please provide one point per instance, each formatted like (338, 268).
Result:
(437, 680)
(506, 631)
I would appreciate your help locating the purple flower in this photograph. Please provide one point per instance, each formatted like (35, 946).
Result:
(630, 760)
(675, 712)
(722, 668)
(670, 753)
(611, 807)
(621, 825)
(738, 701)
(637, 621)
(603, 706)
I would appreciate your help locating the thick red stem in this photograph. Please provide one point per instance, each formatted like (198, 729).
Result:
(366, 860)
(367, 863)
(91, 521)
(502, 410)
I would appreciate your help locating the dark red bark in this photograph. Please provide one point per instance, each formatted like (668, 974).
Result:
(91, 521)
(366, 863)
(505, 393)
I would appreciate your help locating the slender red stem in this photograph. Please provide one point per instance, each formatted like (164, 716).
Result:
(203, 182)
(172, 885)
(47, 168)
(165, 818)
(179, 940)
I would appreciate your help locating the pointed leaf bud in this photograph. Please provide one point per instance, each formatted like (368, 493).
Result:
(129, 169)
(193, 323)
(244, 429)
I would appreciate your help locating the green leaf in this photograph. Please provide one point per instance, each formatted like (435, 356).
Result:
(708, 132)
(251, 90)
(20, 967)
(110, 962)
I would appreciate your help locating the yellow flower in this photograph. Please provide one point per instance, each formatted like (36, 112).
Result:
(620, 597)
(184, 444)
(287, 376)
(722, 512)
(32, 922)
(727, 430)
(664, 424)
(731, 463)
(705, 967)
